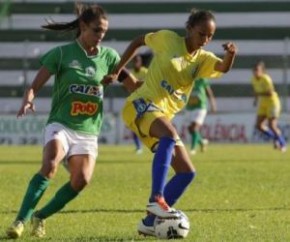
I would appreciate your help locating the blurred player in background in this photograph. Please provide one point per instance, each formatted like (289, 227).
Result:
(72, 129)
(197, 110)
(269, 107)
(148, 111)
(139, 71)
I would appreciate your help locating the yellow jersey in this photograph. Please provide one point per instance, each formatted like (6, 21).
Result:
(172, 71)
(265, 84)
(140, 75)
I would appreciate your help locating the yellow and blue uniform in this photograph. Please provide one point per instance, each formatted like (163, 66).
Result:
(168, 83)
(268, 106)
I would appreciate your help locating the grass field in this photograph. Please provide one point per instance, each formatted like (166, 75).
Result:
(241, 193)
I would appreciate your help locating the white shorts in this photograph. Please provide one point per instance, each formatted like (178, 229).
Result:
(73, 142)
(197, 116)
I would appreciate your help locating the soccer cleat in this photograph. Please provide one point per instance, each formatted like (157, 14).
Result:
(203, 145)
(161, 209)
(283, 149)
(145, 230)
(192, 152)
(38, 227)
(15, 230)
(139, 151)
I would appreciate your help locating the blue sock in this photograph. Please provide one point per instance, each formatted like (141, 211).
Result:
(268, 133)
(281, 140)
(160, 166)
(137, 142)
(176, 186)
(173, 190)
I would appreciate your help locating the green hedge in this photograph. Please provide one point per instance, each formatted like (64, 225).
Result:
(241, 33)
(177, 7)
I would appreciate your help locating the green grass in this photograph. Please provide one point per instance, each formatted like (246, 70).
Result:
(241, 193)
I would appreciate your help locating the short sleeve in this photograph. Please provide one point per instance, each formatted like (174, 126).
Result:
(268, 85)
(207, 68)
(155, 41)
(114, 60)
(51, 60)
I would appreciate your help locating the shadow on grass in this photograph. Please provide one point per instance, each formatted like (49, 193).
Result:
(78, 239)
(107, 238)
(107, 162)
(202, 210)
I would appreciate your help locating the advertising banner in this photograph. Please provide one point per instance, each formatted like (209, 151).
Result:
(220, 128)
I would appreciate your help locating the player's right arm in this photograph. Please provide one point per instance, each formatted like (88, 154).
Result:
(41, 78)
(211, 98)
(227, 62)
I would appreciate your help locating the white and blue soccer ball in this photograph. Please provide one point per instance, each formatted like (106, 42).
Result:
(172, 228)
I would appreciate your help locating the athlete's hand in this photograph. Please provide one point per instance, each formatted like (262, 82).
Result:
(109, 79)
(25, 106)
(230, 47)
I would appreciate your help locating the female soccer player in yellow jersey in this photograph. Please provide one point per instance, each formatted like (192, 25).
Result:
(148, 111)
(268, 105)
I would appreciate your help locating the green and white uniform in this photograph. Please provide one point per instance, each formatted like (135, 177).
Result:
(197, 103)
(77, 102)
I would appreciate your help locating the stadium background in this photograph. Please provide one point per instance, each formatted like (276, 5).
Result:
(260, 29)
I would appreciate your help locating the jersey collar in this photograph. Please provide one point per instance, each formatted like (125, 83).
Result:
(187, 56)
(89, 56)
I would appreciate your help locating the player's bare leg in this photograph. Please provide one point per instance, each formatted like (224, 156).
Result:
(81, 168)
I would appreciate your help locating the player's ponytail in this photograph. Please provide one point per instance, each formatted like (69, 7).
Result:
(197, 16)
(85, 13)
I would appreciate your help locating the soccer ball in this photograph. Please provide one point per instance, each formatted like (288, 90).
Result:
(172, 228)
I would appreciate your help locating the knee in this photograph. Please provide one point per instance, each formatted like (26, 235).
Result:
(272, 125)
(49, 169)
(171, 133)
(191, 128)
(80, 181)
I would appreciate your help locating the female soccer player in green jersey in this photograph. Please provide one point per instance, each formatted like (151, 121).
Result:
(76, 114)
(148, 111)
(196, 111)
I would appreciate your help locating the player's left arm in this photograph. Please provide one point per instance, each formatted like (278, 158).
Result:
(211, 98)
(226, 64)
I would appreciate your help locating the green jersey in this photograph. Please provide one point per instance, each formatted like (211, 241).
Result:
(77, 100)
(198, 97)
